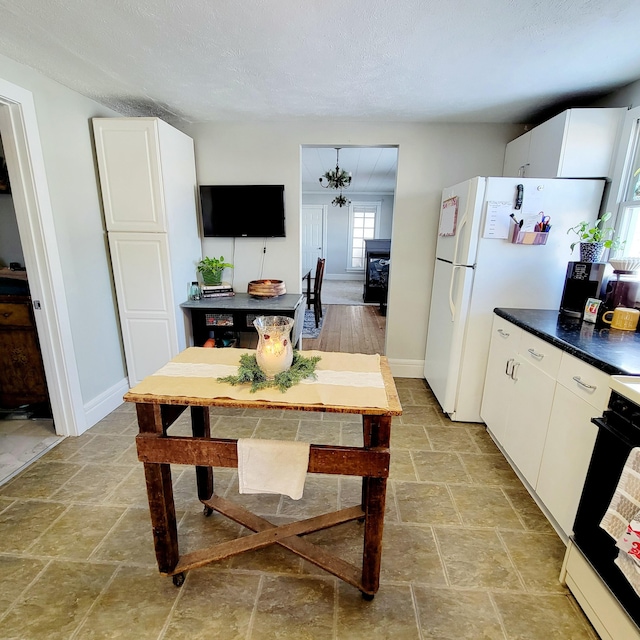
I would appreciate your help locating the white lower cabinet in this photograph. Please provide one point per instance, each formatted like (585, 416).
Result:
(537, 404)
(582, 393)
(498, 388)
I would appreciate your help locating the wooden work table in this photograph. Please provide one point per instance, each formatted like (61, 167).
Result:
(157, 450)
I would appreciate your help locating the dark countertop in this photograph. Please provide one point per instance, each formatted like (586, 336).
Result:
(610, 350)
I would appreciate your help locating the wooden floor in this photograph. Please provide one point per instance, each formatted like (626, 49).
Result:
(357, 329)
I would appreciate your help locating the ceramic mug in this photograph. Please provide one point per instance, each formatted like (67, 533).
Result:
(622, 318)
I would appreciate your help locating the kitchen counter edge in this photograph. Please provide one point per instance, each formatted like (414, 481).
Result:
(613, 351)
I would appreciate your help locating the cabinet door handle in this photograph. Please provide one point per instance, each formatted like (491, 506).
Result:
(503, 333)
(513, 371)
(584, 385)
(507, 369)
(6, 314)
(535, 354)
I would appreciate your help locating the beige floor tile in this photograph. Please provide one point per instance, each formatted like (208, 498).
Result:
(276, 429)
(389, 615)
(480, 436)
(421, 414)
(62, 540)
(448, 439)
(195, 531)
(15, 576)
(409, 554)
(93, 483)
(527, 509)
(345, 541)
(476, 558)
(104, 449)
(131, 540)
(436, 466)
(401, 467)
(531, 617)
(351, 434)
(409, 436)
(320, 496)
(136, 605)
(319, 432)
(40, 480)
(115, 424)
(68, 447)
(24, 522)
(234, 427)
(482, 506)
(454, 614)
(487, 468)
(426, 503)
(295, 609)
(56, 603)
(213, 604)
(538, 557)
(264, 504)
(131, 491)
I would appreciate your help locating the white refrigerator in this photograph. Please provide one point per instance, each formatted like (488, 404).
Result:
(478, 269)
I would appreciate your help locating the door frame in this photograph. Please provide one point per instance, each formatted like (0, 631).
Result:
(34, 214)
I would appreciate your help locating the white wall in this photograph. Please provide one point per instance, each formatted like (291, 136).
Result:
(63, 120)
(628, 96)
(337, 249)
(430, 157)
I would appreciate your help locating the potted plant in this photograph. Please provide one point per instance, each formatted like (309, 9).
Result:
(594, 239)
(212, 268)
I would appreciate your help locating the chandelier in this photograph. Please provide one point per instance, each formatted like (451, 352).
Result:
(337, 179)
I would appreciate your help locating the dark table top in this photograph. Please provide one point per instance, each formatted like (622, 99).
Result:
(245, 302)
(610, 350)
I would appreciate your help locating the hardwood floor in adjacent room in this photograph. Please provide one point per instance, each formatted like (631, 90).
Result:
(350, 329)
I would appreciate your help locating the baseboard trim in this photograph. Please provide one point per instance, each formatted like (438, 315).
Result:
(407, 368)
(105, 403)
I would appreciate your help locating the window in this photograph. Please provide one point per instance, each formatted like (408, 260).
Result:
(363, 224)
(628, 219)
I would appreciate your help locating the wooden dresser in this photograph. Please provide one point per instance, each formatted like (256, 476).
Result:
(22, 379)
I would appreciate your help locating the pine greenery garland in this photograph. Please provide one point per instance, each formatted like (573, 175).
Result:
(249, 371)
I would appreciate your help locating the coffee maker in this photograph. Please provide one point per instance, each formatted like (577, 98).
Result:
(584, 280)
(621, 290)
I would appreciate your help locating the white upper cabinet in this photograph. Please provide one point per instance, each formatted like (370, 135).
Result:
(128, 154)
(577, 143)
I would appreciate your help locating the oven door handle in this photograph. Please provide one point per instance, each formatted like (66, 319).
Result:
(603, 424)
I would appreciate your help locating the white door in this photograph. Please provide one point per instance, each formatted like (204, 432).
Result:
(313, 229)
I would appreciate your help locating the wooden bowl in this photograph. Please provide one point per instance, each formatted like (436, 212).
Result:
(266, 288)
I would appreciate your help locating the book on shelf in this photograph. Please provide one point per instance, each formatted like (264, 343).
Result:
(217, 294)
(216, 287)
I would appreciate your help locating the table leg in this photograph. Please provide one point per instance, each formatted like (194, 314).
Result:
(201, 428)
(160, 493)
(376, 430)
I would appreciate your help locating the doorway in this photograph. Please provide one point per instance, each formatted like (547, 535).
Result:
(26, 422)
(346, 226)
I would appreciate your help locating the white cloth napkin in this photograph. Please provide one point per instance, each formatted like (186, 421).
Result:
(625, 502)
(272, 466)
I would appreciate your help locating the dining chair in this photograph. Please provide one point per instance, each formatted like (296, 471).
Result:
(313, 297)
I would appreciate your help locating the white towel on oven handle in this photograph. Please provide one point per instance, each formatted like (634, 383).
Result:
(272, 466)
(625, 502)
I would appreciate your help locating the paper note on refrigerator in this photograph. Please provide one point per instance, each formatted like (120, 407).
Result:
(448, 217)
(496, 222)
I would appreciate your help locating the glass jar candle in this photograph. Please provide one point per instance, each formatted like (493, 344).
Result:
(274, 353)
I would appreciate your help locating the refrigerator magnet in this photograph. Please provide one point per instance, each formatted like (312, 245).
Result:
(448, 217)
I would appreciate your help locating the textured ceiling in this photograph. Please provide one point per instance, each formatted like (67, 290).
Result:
(411, 60)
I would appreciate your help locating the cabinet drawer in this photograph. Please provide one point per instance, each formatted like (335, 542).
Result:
(540, 354)
(585, 381)
(14, 315)
(507, 332)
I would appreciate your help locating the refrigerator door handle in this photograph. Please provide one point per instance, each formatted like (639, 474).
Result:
(452, 306)
(463, 222)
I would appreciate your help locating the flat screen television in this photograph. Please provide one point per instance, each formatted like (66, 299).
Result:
(242, 211)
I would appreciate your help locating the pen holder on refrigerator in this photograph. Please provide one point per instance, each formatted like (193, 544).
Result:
(527, 237)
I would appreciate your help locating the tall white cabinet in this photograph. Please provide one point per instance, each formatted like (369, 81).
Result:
(148, 183)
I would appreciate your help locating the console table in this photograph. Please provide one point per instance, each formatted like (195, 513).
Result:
(236, 313)
(349, 382)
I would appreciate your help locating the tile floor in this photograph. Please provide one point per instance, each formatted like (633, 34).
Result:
(467, 554)
(22, 441)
